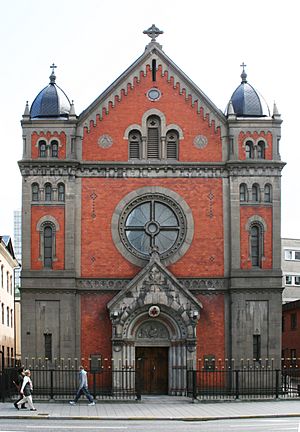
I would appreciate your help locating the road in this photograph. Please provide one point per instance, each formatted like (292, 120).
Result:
(238, 425)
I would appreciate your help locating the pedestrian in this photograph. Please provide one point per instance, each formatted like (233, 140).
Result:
(83, 388)
(18, 383)
(26, 391)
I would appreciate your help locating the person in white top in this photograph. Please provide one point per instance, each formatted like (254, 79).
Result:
(26, 390)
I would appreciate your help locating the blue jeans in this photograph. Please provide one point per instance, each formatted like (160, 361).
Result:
(83, 390)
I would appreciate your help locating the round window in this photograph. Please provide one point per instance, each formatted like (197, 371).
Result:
(152, 221)
(153, 94)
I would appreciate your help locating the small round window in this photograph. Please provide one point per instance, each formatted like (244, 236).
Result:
(152, 221)
(153, 94)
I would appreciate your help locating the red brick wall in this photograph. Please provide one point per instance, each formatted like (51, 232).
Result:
(96, 328)
(100, 257)
(177, 109)
(210, 328)
(266, 213)
(61, 139)
(291, 338)
(37, 212)
(255, 136)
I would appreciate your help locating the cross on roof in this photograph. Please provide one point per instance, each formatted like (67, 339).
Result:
(53, 67)
(243, 65)
(153, 32)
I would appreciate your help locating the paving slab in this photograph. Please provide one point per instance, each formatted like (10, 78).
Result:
(156, 409)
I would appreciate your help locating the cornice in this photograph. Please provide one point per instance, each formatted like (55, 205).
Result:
(79, 169)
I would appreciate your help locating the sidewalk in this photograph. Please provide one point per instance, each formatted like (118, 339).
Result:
(156, 409)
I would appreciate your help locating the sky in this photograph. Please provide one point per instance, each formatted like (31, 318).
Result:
(92, 42)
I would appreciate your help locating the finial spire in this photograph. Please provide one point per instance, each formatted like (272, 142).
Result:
(243, 74)
(153, 32)
(52, 76)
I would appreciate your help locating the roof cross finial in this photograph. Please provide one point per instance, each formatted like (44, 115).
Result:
(243, 74)
(53, 67)
(52, 76)
(153, 32)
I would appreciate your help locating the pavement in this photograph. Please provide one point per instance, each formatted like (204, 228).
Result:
(156, 408)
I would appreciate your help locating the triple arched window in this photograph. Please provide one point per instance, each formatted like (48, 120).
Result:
(48, 192)
(256, 195)
(153, 145)
(255, 150)
(50, 149)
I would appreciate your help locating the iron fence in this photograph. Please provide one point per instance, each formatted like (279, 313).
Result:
(211, 380)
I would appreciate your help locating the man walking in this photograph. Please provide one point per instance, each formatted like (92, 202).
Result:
(83, 388)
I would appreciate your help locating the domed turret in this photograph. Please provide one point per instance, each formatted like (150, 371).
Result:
(51, 101)
(246, 102)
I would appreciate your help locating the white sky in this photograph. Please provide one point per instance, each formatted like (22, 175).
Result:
(93, 41)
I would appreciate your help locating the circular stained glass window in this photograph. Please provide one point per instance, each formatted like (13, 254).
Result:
(153, 94)
(152, 221)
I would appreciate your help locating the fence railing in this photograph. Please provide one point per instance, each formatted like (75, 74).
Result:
(211, 380)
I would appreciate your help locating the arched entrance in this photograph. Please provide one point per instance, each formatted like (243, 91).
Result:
(154, 329)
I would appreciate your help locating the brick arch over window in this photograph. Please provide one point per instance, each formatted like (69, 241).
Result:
(47, 227)
(153, 138)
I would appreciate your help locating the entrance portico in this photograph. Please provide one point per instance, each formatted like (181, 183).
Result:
(154, 329)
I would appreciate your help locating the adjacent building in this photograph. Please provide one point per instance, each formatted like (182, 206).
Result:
(291, 269)
(151, 224)
(8, 263)
(18, 255)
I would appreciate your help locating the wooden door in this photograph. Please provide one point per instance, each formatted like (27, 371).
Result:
(152, 369)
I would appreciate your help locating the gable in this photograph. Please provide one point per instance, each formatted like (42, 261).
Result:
(154, 285)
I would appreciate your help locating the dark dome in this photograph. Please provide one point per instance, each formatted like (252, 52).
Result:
(246, 102)
(50, 102)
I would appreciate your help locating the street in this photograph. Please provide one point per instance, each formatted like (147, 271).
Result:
(238, 425)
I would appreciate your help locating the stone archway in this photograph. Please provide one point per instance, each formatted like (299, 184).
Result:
(155, 310)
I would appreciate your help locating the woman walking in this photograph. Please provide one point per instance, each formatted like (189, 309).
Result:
(26, 390)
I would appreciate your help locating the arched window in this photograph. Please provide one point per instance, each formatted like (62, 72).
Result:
(243, 192)
(256, 245)
(48, 192)
(54, 149)
(135, 141)
(172, 144)
(255, 193)
(268, 193)
(261, 150)
(48, 246)
(7, 316)
(153, 135)
(61, 192)
(42, 149)
(249, 150)
(2, 313)
(35, 192)
(2, 275)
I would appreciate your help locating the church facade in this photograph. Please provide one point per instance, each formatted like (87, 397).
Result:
(151, 224)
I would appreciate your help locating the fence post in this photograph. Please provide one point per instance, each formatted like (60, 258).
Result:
(194, 375)
(277, 383)
(94, 385)
(51, 385)
(137, 385)
(237, 384)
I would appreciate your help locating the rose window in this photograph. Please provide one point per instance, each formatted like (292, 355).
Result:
(152, 221)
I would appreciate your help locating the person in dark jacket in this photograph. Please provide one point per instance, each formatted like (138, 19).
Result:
(83, 388)
(18, 383)
(26, 391)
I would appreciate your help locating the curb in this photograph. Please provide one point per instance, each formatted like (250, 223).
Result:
(149, 418)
